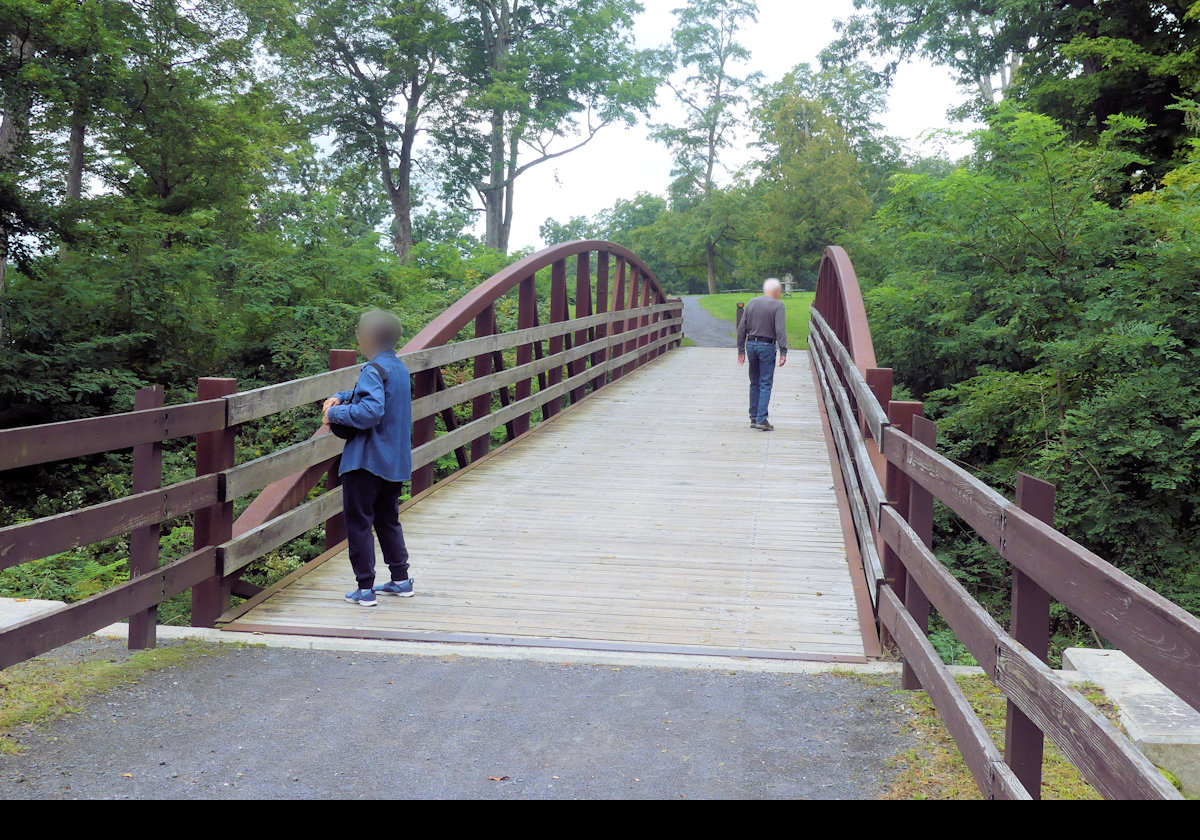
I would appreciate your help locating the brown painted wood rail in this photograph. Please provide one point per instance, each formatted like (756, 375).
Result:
(622, 319)
(893, 473)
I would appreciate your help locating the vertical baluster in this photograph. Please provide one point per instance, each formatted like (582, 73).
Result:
(144, 542)
(481, 406)
(526, 318)
(558, 314)
(635, 280)
(213, 525)
(583, 308)
(618, 326)
(601, 331)
(424, 384)
(1030, 625)
(644, 321)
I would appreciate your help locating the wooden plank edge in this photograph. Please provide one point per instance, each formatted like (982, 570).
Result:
(569, 643)
(854, 557)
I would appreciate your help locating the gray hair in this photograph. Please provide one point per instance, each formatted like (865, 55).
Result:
(382, 326)
(771, 285)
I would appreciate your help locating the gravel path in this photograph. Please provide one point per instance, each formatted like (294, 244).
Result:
(704, 328)
(278, 723)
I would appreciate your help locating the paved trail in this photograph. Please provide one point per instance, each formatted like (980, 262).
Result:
(704, 328)
(277, 723)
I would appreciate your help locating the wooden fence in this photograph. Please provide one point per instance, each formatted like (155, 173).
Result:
(893, 473)
(622, 320)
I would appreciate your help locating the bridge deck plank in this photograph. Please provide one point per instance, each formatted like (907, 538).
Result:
(651, 516)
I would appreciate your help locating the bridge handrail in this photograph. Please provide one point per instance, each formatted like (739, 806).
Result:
(609, 337)
(1158, 634)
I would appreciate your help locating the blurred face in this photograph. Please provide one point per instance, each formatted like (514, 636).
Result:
(365, 346)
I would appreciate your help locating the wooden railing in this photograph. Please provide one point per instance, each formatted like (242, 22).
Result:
(622, 320)
(893, 473)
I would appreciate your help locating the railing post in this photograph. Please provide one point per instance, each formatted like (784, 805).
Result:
(526, 318)
(144, 542)
(481, 406)
(424, 384)
(644, 321)
(896, 487)
(741, 310)
(1030, 625)
(601, 356)
(213, 525)
(583, 308)
(631, 323)
(618, 326)
(335, 526)
(558, 314)
(920, 519)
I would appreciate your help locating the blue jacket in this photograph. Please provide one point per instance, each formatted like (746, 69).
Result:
(384, 414)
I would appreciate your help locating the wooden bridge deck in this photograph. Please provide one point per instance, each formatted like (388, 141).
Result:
(650, 517)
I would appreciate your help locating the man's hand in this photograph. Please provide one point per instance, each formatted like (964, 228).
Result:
(329, 403)
(782, 361)
(741, 359)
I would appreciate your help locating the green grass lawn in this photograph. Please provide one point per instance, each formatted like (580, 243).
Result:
(797, 305)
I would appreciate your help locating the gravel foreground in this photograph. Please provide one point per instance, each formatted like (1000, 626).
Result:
(257, 723)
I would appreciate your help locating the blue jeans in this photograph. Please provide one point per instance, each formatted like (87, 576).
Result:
(760, 356)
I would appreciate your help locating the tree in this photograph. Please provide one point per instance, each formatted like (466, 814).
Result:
(811, 190)
(375, 73)
(704, 43)
(544, 76)
(1078, 61)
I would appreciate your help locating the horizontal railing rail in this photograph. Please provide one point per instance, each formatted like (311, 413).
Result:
(895, 516)
(615, 329)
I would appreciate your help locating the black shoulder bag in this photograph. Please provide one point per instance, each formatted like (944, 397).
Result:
(347, 432)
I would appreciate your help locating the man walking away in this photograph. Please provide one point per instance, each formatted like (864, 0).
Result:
(763, 328)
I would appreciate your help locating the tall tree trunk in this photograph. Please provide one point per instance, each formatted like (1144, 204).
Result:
(710, 255)
(10, 136)
(75, 158)
(397, 186)
(493, 191)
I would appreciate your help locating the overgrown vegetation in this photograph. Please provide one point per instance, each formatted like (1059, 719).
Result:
(934, 768)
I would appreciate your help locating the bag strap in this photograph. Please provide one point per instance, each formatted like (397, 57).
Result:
(383, 374)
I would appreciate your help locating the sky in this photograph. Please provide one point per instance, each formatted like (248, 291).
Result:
(621, 162)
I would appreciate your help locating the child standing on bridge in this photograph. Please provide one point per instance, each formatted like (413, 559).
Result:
(376, 420)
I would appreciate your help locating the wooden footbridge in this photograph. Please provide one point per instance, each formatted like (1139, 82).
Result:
(585, 482)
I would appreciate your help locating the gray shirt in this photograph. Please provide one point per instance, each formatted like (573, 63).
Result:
(763, 317)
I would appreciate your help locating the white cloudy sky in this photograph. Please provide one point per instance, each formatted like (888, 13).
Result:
(621, 162)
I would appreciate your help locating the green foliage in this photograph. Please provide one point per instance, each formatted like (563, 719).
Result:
(1052, 329)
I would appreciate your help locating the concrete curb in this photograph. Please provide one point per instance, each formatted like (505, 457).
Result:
(524, 654)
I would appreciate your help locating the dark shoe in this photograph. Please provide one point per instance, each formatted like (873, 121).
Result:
(753, 424)
(766, 426)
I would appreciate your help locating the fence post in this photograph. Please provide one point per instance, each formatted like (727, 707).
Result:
(601, 356)
(896, 487)
(737, 320)
(526, 318)
(481, 406)
(424, 384)
(583, 308)
(144, 542)
(558, 314)
(920, 519)
(1030, 625)
(617, 326)
(335, 526)
(213, 525)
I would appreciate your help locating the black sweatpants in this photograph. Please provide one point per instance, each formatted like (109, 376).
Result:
(369, 500)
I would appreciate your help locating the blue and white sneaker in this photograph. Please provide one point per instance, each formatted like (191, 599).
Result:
(362, 597)
(401, 588)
